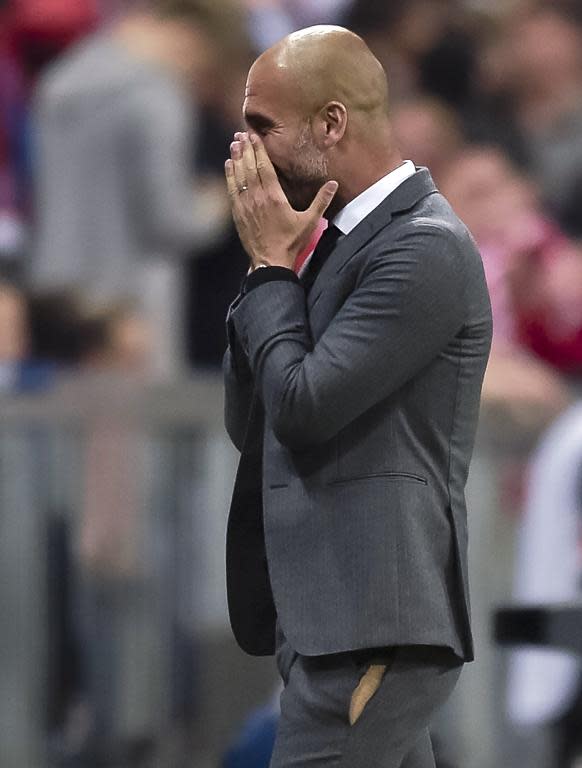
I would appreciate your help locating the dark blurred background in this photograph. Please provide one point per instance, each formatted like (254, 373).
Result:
(118, 261)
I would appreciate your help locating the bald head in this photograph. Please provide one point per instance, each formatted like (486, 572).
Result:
(319, 100)
(326, 63)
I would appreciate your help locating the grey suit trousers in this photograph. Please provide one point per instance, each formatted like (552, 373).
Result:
(392, 732)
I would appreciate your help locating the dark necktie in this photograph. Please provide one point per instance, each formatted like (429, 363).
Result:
(324, 247)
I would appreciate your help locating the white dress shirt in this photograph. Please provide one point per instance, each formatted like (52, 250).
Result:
(357, 210)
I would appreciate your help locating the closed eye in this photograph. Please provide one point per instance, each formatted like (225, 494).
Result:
(261, 124)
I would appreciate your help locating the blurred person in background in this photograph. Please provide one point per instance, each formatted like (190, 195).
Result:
(270, 20)
(428, 130)
(447, 51)
(32, 34)
(44, 29)
(98, 620)
(12, 108)
(533, 343)
(536, 64)
(529, 263)
(117, 338)
(118, 206)
(545, 684)
(112, 568)
(12, 227)
(71, 334)
(91, 552)
(401, 33)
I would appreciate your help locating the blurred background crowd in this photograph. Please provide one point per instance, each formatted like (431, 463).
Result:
(116, 118)
(118, 258)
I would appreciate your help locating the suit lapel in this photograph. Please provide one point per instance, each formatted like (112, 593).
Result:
(404, 197)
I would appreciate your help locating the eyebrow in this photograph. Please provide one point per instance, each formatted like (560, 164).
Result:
(256, 120)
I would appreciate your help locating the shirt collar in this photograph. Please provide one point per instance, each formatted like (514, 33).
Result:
(358, 208)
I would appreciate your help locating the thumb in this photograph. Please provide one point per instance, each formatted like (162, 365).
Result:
(322, 200)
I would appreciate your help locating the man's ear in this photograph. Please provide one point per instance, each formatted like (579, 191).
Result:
(330, 124)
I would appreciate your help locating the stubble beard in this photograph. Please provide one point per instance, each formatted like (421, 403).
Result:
(307, 173)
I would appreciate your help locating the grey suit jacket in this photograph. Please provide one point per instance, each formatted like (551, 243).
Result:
(355, 410)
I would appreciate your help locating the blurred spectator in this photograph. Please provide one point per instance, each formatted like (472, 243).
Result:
(306, 12)
(99, 567)
(12, 108)
(428, 132)
(72, 333)
(529, 263)
(545, 684)
(550, 301)
(524, 254)
(32, 34)
(270, 20)
(401, 33)
(539, 65)
(116, 123)
(45, 28)
(116, 339)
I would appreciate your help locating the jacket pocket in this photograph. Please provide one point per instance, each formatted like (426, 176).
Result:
(390, 475)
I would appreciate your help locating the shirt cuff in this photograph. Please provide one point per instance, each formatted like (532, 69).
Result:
(267, 275)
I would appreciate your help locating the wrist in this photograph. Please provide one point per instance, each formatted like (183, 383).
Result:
(261, 276)
(272, 259)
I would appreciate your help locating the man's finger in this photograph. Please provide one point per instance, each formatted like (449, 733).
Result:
(322, 200)
(238, 165)
(230, 180)
(264, 165)
(249, 160)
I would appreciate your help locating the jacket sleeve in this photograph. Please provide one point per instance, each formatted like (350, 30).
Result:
(238, 387)
(407, 305)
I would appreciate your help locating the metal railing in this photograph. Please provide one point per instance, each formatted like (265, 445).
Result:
(113, 504)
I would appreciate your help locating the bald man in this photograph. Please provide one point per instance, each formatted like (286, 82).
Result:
(352, 392)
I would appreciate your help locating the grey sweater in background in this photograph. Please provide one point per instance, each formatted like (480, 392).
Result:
(114, 138)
